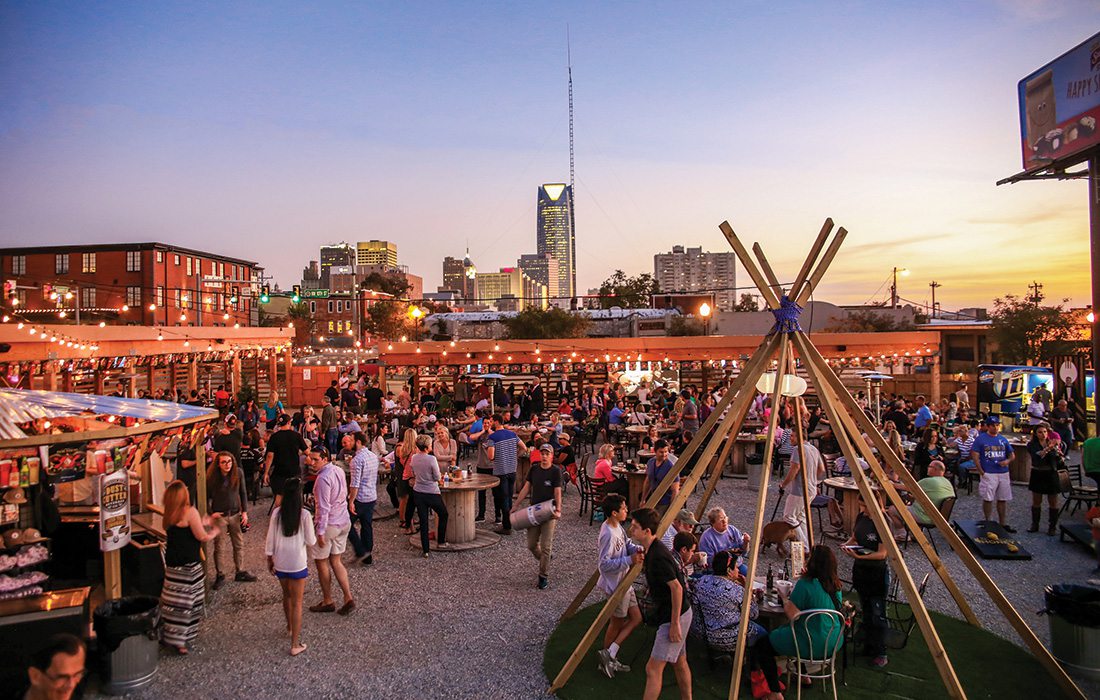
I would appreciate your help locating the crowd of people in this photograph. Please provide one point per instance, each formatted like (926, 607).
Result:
(328, 465)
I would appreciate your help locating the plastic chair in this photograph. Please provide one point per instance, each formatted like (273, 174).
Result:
(804, 665)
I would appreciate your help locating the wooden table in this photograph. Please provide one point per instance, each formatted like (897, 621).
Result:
(1020, 470)
(635, 481)
(460, 498)
(850, 505)
(643, 429)
(737, 466)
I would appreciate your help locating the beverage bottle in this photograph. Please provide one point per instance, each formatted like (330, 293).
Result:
(24, 474)
(771, 579)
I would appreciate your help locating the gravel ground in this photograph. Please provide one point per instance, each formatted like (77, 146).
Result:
(472, 624)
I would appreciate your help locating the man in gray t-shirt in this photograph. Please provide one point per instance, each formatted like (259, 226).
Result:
(794, 507)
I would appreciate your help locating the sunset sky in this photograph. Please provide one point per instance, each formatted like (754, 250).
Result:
(264, 130)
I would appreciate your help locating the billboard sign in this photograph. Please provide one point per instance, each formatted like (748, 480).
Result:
(1059, 106)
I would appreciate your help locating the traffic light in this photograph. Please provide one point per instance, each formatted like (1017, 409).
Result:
(297, 295)
(265, 294)
(47, 291)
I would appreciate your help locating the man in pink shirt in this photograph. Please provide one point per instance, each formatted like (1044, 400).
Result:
(332, 522)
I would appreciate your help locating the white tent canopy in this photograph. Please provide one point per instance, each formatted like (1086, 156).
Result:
(21, 406)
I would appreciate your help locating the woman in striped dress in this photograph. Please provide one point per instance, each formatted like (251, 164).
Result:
(181, 599)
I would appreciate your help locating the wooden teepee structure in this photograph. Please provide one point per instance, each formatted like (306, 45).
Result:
(710, 448)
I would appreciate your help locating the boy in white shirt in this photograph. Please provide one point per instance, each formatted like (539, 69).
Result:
(617, 555)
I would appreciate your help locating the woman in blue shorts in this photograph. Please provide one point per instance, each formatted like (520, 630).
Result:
(290, 530)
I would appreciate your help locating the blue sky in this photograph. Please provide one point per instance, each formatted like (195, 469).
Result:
(263, 130)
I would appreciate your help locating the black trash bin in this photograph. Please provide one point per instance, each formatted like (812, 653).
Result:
(1074, 614)
(126, 630)
(754, 463)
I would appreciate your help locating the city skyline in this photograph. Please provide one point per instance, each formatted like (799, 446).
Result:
(266, 131)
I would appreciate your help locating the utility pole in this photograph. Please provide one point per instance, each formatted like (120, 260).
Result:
(934, 285)
(1036, 292)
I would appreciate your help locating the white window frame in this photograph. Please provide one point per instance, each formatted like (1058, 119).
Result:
(87, 263)
(61, 264)
(19, 264)
(133, 261)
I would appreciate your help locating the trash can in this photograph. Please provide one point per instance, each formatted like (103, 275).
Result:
(755, 464)
(1074, 615)
(128, 643)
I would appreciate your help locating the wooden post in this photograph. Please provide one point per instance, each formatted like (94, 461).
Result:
(112, 575)
(822, 266)
(811, 257)
(758, 279)
(49, 374)
(235, 375)
(192, 374)
(935, 393)
(98, 379)
(273, 374)
(150, 379)
(758, 525)
(200, 477)
(896, 559)
(1033, 643)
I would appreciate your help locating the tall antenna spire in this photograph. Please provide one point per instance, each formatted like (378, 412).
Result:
(572, 204)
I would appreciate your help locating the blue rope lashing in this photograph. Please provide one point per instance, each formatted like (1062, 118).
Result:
(786, 316)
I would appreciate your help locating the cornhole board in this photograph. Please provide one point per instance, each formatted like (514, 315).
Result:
(1079, 533)
(976, 534)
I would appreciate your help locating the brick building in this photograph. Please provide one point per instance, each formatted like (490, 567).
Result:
(131, 283)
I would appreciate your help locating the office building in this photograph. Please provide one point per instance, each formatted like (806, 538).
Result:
(543, 269)
(554, 235)
(692, 270)
(510, 290)
(374, 252)
(132, 283)
(459, 276)
(334, 254)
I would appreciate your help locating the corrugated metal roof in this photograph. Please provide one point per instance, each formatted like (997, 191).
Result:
(21, 406)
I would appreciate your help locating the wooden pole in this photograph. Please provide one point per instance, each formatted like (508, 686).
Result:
(200, 477)
(762, 354)
(1033, 643)
(761, 357)
(815, 250)
(112, 575)
(916, 603)
(822, 266)
(762, 284)
(757, 528)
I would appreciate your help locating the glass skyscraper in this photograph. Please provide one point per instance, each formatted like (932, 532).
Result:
(555, 234)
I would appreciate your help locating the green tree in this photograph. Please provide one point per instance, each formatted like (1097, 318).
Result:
(1027, 332)
(537, 324)
(686, 325)
(386, 319)
(748, 302)
(867, 321)
(628, 292)
(304, 323)
(388, 282)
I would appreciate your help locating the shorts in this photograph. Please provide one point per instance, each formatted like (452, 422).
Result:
(292, 574)
(667, 650)
(628, 601)
(995, 487)
(336, 541)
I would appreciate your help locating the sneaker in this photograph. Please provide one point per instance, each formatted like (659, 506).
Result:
(1094, 581)
(619, 667)
(479, 519)
(244, 577)
(425, 555)
(1009, 529)
(502, 531)
(880, 661)
(219, 581)
(368, 560)
(543, 582)
(497, 520)
(604, 662)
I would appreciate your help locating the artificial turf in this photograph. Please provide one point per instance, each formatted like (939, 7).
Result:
(987, 665)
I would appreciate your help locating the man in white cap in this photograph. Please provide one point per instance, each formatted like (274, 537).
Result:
(544, 484)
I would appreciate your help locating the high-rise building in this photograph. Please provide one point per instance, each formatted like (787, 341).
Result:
(555, 234)
(692, 270)
(543, 268)
(510, 290)
(459, 276)
(374, 252)
(335, 254)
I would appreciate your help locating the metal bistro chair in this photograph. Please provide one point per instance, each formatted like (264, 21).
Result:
(1078, 493)
(804, 665)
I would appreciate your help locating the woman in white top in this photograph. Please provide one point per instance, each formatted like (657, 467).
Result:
(444, 448)
(290, 530)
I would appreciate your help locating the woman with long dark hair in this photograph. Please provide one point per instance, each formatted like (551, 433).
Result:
(288, 534)
(228, 503)
(1046, 460)
(183, 595)
(928, 449)
(818, 588)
